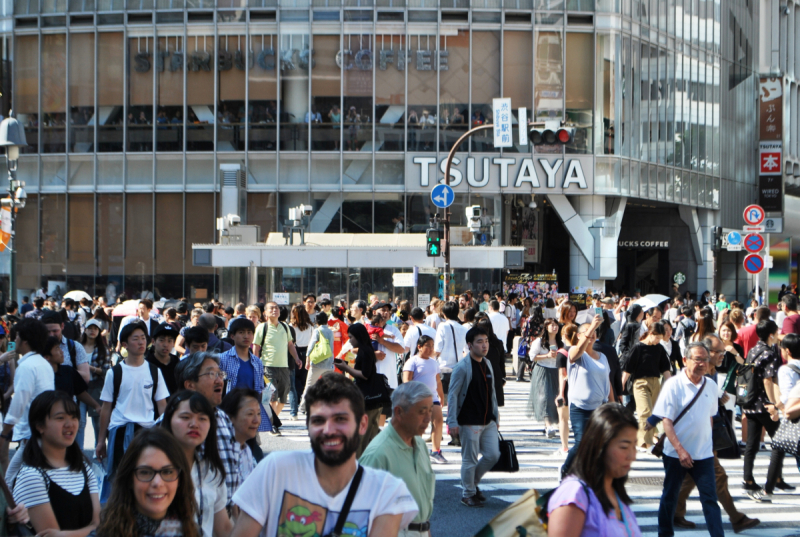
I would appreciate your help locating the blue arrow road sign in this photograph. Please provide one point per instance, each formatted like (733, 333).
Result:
(734, 238)
(442, 196)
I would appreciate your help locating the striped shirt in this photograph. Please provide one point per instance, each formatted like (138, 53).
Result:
(30, 487)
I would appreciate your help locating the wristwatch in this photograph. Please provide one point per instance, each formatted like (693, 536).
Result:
(8, 436)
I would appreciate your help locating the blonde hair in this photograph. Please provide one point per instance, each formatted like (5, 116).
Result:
(253, 310)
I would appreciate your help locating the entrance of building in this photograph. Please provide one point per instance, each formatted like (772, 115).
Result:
(643, 270)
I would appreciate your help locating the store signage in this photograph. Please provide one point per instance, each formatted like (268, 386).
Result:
(643, 244)
(203, 60)
(679, 278)
(424, 60)
(770, 158)
(525, 277)
(773, 225)
(403, 279)
(770, 193)
(771, 108)
(501, 129)
(492, 173)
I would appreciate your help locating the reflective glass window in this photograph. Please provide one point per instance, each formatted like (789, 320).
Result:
(485, 85)
(357, 113)
(110, 91)
(54, 93)
(388, 212)
(26, 91)
(548, 86)
(263, 91)
(200, 93)
(169, 244)
(453, 62)
(325, 116)
(421, 118)
(169, 112)
(81, 92)
(138, 244)
(607, 140)
(140, 94)
(230, 105)
(579, 102)
(27, 245)
(390, 92)
(81, 171)
(357, 173)
(357, 213)
(80, 257)
(327, 217)
(53, 238)
(518, 74)
(109, 172)
(295, 57)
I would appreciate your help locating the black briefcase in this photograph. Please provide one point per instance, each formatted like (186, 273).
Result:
(508, 457)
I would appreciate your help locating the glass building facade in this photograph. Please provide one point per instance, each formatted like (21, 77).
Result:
(131, 106)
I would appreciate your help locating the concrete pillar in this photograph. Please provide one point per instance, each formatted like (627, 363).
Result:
(592, 210)
(705, 266)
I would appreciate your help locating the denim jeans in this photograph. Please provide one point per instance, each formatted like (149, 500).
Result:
(579, 419)
(81, 425)
(702, 472)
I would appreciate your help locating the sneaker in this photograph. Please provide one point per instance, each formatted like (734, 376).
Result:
(559, 454)
(293, 418)
(472, 501)
(745, 524)
(742, 444)
(784, 486)
(479, 495)
(551, 433)
(437, 457)
(756, 493)
(681, 522)
(762, 447)
(275, 431)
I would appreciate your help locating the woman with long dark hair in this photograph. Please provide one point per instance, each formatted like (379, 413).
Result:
(99, 361)
(496, 356)
(705, 325)
(191, 419)
(363, 370)
(544, 378)
(629, 335)
(153, 495)
(56, 482)
(567, 313)
(592, 499)
(303, 329)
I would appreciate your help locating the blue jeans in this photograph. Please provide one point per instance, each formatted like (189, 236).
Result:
(702, 473)
(579, 419)
(294, 402)
(82, 425)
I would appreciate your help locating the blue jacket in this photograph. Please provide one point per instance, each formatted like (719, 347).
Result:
(457, 393)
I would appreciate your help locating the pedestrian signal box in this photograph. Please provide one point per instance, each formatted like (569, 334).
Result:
(434, 243)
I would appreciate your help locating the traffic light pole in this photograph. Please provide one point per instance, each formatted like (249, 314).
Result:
(446, 220)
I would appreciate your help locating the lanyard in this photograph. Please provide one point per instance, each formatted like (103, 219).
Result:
(624, 518)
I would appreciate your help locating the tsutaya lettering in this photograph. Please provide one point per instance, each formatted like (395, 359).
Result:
(530, 173)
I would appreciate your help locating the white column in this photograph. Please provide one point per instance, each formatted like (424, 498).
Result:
(591, 209)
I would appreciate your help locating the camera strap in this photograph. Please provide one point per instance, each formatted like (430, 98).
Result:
(348, 502)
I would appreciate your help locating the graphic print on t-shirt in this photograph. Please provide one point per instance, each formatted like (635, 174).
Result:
(301, 518)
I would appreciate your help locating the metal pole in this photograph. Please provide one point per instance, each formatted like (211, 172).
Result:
(12, 243)
(446, 220)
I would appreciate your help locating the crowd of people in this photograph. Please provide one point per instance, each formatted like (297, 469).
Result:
(177, 399)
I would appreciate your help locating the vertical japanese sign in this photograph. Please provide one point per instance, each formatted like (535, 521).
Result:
(522, 119)
(503, 134)
(770, 166)
(771, 109)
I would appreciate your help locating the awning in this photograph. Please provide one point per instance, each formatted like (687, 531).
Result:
(346, 250)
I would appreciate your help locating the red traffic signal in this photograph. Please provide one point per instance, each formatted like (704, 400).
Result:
(551, 136)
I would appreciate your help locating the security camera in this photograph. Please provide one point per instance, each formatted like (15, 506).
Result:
(306, 209)
(474, 214)
(786, 10)
(234, 220)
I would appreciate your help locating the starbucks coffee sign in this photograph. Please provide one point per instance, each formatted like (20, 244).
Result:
(540, 174)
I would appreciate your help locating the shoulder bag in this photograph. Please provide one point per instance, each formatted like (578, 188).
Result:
(787, 438)
(348, 502)
(658, 448)
(508, 457)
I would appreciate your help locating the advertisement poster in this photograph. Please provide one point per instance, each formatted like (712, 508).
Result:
(537, 287)
(530, 234)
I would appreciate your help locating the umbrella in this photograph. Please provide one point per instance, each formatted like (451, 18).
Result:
(165, 303)
(77, 296)
(651, 301)
(129, 307)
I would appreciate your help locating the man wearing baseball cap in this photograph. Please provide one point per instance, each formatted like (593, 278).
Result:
(160, 354)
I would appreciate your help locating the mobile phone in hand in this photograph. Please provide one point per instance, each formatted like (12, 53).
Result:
(553, 348)
(598, 311)
(12, 346)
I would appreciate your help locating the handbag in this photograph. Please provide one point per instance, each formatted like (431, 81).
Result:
(508, 457)
(519, 518)
(720, 434)
(729, 384)
(734, 451)
(523, 349)
(658, 448)
(321, 351)
(787, 437)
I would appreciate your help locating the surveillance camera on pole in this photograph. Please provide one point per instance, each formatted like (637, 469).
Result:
(297, 216)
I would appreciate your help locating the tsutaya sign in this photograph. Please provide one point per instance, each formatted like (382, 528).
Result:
(541, 174)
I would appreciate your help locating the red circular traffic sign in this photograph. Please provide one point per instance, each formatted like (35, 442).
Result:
(754, 215)
(754, 243)
(753, 263)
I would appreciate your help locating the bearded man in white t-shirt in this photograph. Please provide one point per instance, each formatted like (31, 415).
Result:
(304, 492)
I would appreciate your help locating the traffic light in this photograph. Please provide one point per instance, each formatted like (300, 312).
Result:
(434, 246)
(551, 133)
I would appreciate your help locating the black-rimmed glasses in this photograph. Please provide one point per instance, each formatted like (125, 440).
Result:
(145, 474)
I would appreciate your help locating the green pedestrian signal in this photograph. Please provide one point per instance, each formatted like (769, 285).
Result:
(434, 247)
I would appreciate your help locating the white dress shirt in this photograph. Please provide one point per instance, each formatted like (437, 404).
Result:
(33, 376)
(450, 350)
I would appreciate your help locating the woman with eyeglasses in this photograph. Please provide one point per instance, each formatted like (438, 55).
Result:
(56, 482)
(191, 419)
(153, 495)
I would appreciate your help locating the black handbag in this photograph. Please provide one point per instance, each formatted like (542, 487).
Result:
(721, 433)
(508, 457)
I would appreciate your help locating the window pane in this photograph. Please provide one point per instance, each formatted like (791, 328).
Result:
(357, 213)
(327, 212)
(294, 91)
(518, 74)
(169, 118)
(27, 245)
(261, 170)
(110, 94)
(389, 174)
(200, 93)
(579, 95)
(200, 229)
(200, 170)
(140, 94)
(357, 174)
(54, 173)
(263, 88)
(169, 170)
(53, 239)
(81, 171)
(388, 212)
(169, 242)
(80, 259)
(325, 117)
(358, 93)
(140, 173)
(548, 93)
(294, 172)
(230, 106)
(453, 89)
(109, 172)
(138, 245)
(606, 141)
(421, 95)
(325, 171)
(81, 92)
(26, 92)
(54, 93)
(485, 85)
(262, 208)
(390, 93)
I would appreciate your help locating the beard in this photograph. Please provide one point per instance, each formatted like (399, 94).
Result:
(336, 459)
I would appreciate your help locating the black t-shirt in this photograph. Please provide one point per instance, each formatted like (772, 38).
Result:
(477, 408)
(647, 361)
(365, 362)
(69, 381)
(730, 360)
(167, 370)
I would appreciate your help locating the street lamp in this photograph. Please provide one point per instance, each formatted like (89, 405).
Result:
(12, 137)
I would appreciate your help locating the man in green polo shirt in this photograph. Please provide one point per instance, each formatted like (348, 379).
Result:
(400, 450)
(274, 345)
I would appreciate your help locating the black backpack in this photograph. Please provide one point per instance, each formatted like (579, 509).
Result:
(118, 383)
(748, 387)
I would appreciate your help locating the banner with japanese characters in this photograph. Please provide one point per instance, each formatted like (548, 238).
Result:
(501, 110)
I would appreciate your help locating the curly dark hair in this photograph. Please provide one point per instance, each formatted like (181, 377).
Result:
(118, 519)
